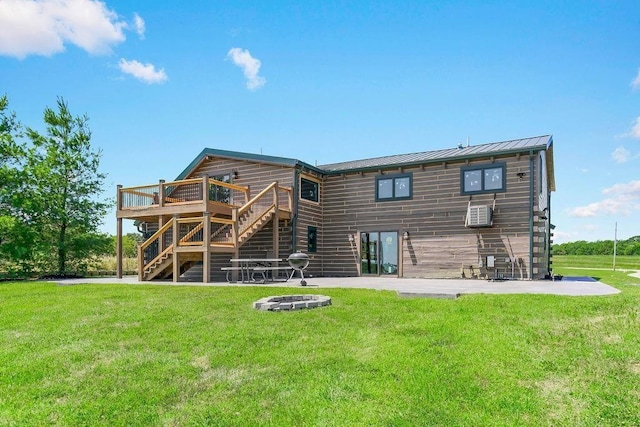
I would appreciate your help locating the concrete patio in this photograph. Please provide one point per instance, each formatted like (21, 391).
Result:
(435, 288)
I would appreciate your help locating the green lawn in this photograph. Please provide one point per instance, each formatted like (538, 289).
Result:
(595, 261)
(179, 356)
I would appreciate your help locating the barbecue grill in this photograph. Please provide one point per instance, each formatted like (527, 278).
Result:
(299, 261)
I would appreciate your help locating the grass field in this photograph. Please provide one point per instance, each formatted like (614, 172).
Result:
(596, 261)
(183, 356)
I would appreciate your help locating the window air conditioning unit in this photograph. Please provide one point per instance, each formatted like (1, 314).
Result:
(479, 216)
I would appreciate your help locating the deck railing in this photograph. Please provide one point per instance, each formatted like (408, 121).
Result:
(181, 192)
(191, 231)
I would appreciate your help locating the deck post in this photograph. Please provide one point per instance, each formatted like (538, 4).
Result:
(276, 222)
(205, 192)
(119, 248)
(119, 197)
(176, 238)
(236, 244)
(161, 194)
(206, 243)
(140, 262)
(161, 236)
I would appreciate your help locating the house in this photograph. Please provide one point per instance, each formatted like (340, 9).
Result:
(479, 211)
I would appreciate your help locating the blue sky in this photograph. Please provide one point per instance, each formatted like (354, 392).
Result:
(333, 81)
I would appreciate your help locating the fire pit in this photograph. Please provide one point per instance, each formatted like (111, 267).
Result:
(291, 302)
(299, 261)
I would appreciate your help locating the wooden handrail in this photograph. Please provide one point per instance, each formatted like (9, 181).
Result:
(258, 218)
(190, 219)
(160, 255)
(247, 205)
(191, 233)
(157, 234)
(289, 191)
(222, 221)
(182, 182)
(139, 193)
(228, 185)
(138, 186)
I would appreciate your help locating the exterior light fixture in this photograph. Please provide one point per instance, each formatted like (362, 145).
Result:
(405, 235)
(235, 174)
(350, 238)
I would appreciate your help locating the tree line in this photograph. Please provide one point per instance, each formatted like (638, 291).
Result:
(630, 246)
(50, 193)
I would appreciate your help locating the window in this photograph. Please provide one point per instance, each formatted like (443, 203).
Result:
(218, 193)
(312, 239)
(393, 187)
(308, 190)
(483, 179)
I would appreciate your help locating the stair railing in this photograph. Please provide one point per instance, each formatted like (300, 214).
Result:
(190, 231)
(261, 205)
(162, 236)
(232, 188)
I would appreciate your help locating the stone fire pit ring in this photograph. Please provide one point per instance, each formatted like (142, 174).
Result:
(291, 302)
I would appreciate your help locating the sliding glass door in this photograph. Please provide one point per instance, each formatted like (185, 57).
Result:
(379, 253)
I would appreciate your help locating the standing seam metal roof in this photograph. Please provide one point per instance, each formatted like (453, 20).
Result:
(494, 148)
(490, 149)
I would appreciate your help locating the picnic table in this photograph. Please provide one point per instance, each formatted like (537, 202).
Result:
(267, 268)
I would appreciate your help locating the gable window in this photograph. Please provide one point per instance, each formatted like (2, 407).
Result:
(483, 179)
(308, 190)
(394, 187)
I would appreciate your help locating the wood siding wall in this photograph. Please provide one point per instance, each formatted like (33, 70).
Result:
(439, 244)
(310, 214)
(257, 176)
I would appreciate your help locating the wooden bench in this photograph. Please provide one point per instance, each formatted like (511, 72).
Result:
(264, 271)
(229, 270)
(248, 267)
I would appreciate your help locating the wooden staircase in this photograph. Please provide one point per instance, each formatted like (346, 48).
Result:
(162, 268)
(224, 235)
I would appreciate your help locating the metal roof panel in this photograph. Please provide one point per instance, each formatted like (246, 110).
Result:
(493, 148)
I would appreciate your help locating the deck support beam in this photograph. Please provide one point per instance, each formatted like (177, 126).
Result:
(119, 233)
(176, 238)
(236, 243)
(119, 248)
(206, 242)
(276, 223)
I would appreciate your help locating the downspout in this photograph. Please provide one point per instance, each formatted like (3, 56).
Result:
(294, 216)
(531, 189)
(548, 234)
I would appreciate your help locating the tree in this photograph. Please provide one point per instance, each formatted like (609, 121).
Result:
(130, 243)
(15, 235)
(62, 184)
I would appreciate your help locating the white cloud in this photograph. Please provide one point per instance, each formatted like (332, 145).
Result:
(250, 67)
(621, 155)
(622, 199)
(143, 72)
(635, 83)
(43, 27)
(635, 130)
(138, 25)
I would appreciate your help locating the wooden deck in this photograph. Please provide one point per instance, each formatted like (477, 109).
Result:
(191, 225)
